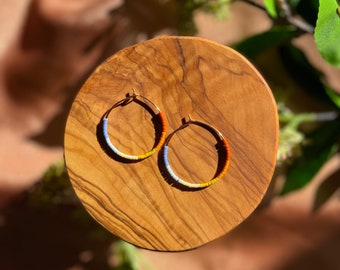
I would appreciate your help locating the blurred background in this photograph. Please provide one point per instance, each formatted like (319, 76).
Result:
(47, 50)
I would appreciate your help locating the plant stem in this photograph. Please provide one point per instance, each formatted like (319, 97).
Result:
(326, 116)
(287, 16)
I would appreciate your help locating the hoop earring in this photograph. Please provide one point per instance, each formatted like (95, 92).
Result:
(223, 144)
(159, 114)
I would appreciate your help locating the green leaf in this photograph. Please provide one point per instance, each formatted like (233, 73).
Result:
(270, 6)
(304, 74)
(327, 32)
(302, 174)
(323, 145)
(220, 8)
(335, 97)
(254, 45)
(326, 189)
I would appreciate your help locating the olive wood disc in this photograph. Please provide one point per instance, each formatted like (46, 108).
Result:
(137, 201)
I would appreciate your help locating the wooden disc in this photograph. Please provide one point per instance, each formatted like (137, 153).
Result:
(182, 76)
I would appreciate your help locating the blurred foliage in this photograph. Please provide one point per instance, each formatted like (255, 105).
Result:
(271, 8)
(257, 44)
(187, 9)
(54, 188)
(302, 152)
(128, 257)
(54, 191)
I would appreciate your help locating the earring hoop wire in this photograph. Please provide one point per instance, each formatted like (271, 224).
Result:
(159, 114)
(223, 142)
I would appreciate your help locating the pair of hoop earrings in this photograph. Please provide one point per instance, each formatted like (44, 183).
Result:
(164, 141)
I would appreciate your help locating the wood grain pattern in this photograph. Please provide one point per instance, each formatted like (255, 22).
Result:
(182, 75)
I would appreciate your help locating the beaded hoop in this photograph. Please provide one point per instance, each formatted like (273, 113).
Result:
(223, 142)
(159, 114)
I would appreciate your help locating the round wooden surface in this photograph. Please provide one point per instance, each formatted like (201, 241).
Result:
(182, 76)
